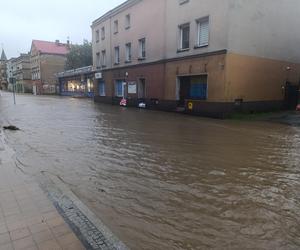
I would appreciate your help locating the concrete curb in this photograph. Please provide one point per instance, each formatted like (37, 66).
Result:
(86, 225)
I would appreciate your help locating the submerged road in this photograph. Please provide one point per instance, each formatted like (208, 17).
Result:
(165, 181)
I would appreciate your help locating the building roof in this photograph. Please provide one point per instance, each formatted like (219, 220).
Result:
(3, 56)
(46, 47)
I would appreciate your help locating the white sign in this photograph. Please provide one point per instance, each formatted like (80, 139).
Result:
(132, 88)
(98, 75)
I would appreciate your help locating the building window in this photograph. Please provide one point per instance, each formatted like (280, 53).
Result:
(98, 62)
(184, 37)
(128, 52)
(183, 1)
(102, 33)
(203, 32)
(142, 48)
(97, 36)
(101, 88)
(103, 62)
(119, 88)
(127, 21)
(116, 27)
(198, 88)
(117, 55)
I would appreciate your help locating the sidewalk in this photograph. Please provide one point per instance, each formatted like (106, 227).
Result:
(28, 220)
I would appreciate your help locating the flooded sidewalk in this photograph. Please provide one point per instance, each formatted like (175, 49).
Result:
(43, 216)
(28, 220)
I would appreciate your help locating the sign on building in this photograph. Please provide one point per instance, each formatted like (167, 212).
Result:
(131, 87)
(98, 75)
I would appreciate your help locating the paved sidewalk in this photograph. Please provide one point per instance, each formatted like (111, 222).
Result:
(28, 220)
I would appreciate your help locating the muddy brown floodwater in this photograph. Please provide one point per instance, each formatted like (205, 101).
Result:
(166, 181)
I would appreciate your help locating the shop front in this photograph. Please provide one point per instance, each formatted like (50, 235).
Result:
(77, 83)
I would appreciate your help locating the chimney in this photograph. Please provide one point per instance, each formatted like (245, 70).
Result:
(57, 42)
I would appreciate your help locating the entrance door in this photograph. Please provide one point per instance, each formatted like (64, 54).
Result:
(184, 90)
(142, 89)
(291, 96)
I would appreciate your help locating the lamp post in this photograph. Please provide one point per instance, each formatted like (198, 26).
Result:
(12, 80)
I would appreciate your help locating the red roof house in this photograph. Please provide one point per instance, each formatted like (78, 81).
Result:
(45, 47)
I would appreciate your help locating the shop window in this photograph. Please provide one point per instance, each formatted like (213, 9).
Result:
(101, 88)
(119, 88)
(198, 88)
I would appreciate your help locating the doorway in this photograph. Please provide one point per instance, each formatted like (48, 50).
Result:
(142, 88)
(291, 96)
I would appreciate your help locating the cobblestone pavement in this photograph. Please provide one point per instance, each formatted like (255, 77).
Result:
(45, 215)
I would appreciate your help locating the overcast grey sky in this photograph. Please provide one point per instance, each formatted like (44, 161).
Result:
(24, 20)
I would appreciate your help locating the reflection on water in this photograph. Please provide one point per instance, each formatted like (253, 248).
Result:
(167, 181)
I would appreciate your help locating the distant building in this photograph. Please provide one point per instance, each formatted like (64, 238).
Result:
(207, 57)
(3, 76)
(47, 59)
(77, 82)
(20, 69)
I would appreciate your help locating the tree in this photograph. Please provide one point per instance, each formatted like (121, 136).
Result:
(80, 55)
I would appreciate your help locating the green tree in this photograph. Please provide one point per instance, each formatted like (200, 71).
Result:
(80, 55)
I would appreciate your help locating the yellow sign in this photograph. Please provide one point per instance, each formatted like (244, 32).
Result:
(190, 106)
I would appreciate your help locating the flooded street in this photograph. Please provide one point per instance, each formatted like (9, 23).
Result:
(166, 181)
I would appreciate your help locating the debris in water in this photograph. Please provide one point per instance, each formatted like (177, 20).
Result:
(11, 127)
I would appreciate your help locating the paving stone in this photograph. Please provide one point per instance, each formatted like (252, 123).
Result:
(19, 233)
(24, 243)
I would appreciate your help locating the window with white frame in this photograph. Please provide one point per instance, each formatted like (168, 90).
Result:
(203, 32)
(97, 36)
(128, 52)
(117, 55)
(103, 33)
(116, 26)
(142, 48)
(98, 60)
(103, 60)
(184, 32)
(127, 21)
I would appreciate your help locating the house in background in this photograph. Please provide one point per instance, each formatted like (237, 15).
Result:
(20, 69)
(3, 69)
(77, 82)
(205, 57)
(47, 59)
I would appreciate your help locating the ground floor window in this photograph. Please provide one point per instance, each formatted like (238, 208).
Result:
(119, 88)
(90, 85)
(198, 89)
(101, 88)
(74, 86)
(192, 87)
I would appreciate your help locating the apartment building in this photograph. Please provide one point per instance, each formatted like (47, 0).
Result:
(20, 69)
(205, 57)
(47, 59)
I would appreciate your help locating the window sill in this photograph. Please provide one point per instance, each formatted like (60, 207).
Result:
(183, 50)
(127, 28)
(128, 61)
(141, 58)
(200, 46)
(103, 66)
(116, 32)
(116, 64)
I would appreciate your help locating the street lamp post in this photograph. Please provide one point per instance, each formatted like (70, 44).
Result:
(12, 80)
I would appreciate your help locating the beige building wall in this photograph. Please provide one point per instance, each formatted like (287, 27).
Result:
(147, 20)
(257, 79)
(189, 12)
(265, 28)
(50, 65)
